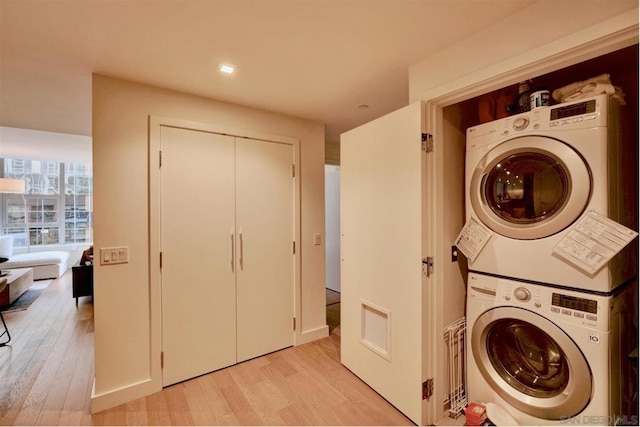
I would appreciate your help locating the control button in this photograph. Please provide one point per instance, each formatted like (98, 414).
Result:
(590, 117)
(592, 317)
(567, 312)
(522, 294)
(578, 119)
(536, 126)
(507, 297)
(538, 305)
(578, 314)
(553, 124)
(555, 309)
(520, 123)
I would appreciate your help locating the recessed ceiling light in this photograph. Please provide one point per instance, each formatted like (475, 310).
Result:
(227, 69)
(363, 107)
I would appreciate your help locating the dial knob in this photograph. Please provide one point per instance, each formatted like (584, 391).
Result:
(520, 123)
(522, 294)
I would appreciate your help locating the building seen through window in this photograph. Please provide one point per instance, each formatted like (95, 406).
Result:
(57, 207)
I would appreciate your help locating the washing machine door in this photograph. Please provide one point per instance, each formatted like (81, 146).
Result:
(531, 363)
(530, 187)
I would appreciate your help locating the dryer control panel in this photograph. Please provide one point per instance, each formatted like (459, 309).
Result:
(586, 113)
(573, 109)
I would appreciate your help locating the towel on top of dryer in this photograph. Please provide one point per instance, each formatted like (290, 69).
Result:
(587, 88)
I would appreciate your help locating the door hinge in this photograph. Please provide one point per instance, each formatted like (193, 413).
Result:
(294, 323)
(162, 359)
(427, 266)
(427, 142)
(293, 171)
(294, 247)
(427, 389)
(160, 260)
(160, 158)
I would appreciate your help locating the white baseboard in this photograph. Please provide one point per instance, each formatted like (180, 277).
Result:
(313, 334)
(122, 395)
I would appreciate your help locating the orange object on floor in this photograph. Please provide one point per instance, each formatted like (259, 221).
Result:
(476, 414)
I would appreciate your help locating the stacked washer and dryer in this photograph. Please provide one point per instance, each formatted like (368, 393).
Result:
(546, 341)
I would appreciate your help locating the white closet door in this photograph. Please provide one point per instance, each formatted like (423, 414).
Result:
(265, 225)
(198, 281)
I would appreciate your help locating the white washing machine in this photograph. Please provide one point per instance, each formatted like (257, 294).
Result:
(529, 177)
(549, 356)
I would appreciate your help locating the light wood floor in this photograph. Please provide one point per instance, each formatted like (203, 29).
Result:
(46, 377)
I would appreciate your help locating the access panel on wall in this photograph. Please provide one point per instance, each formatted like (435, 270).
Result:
(227, 230)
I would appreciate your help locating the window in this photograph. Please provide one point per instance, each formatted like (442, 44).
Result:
(57, 206)
(78, 203)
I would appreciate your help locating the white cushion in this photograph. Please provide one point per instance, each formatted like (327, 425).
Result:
(35, 258)
(6, 246)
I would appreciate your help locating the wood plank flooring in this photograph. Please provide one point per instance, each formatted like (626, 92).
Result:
(46, 377)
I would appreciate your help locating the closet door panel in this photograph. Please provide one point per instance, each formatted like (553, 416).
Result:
(265, 224)
(198, 282)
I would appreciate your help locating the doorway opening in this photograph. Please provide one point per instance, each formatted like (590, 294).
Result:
(332, 245)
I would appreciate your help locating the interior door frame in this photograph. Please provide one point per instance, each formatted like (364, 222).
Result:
(599, 39)
(155, 122)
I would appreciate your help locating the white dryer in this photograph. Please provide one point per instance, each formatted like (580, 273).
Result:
(529, 177)
(549, 356)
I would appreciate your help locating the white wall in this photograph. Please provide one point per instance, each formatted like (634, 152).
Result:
(126, 336)
(30, 144)
(332, 220)
(517, 39)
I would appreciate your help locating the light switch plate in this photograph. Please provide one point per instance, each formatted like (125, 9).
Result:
(114, 255)
(317, 240)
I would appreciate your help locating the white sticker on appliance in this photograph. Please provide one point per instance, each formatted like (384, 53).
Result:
(473, 237)
(593, 241)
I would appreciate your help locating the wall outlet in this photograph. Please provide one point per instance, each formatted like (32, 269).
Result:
(317, 240)
(114, 255)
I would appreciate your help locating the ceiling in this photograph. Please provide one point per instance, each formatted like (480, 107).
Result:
(317, 59)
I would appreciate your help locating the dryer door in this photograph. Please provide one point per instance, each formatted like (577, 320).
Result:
(530, 187)
(531, 363)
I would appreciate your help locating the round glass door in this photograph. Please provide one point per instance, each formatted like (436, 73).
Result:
(531, 363)
(530, 187)
(526, 188)
(527, 358)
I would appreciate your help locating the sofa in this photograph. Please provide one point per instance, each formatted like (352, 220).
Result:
(45, 265)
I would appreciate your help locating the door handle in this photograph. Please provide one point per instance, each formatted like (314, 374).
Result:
(241, 253)
(233, 251)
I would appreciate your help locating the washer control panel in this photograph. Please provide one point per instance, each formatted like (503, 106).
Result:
(522, 294)
(566, 305)
(561, 305)
(573, 306)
